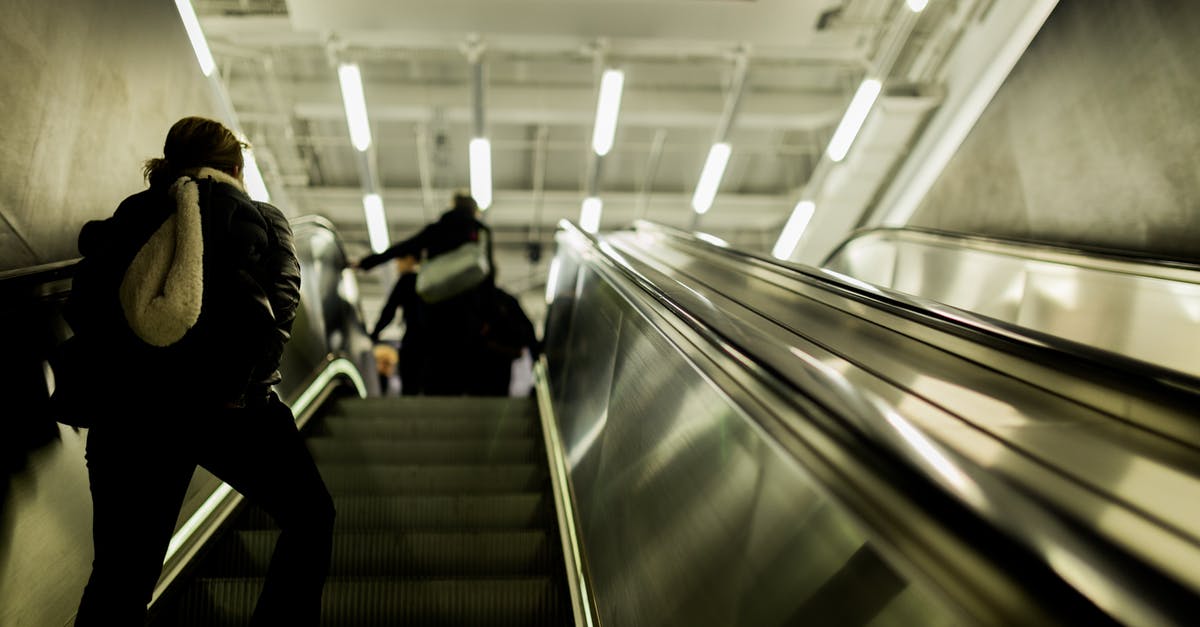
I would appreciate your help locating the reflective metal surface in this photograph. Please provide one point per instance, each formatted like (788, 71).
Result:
(1135, 307)
(1099, 512)
(688, 513)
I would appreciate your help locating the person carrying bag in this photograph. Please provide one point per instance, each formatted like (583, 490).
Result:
(454, 283)
(181, 307)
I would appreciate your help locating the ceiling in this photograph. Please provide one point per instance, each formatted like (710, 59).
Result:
(542, 60)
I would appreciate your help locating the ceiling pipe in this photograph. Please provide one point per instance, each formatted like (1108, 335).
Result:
(719, 154)
(365, 161)
(590, 211)
(895, 39)
(541, 148)
(425, 171)
(656, 152)
(481, 147)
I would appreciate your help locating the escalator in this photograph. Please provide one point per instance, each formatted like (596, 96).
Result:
(445, 517)
(720, 439)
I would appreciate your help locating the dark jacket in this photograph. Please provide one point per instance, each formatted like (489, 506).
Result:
(453, 229)
(250, 294)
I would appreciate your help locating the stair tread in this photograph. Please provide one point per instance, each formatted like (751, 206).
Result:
(397, 428)
(504, 510)
(445, 517)
(408, 553)
(370, 601)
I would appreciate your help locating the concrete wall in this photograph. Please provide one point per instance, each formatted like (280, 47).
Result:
(1093, 139)
(88, 89)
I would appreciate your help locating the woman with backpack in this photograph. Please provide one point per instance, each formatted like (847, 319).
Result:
(184, 299)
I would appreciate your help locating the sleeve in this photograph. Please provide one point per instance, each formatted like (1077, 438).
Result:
(528, 334)
(280, 278)
(397, 298)
(410, 247)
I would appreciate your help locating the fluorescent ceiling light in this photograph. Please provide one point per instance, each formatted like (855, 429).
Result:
(852, 122)
(589, 218)
(710, 177)
(712, 239)
(796, 224)
(917, 5)
(199, 43)
(607, 109)
(376, 222)
(256, 187)
(356, 105)
(481, 172)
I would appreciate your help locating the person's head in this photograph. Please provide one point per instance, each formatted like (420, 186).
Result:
(463, 201)
(195, 142)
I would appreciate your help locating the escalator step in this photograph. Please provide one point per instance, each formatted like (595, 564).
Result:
(519, 510)
(409, 554)
(392, 479)
(447, 428)
(430, 407)
(474, 451)
(367, 602)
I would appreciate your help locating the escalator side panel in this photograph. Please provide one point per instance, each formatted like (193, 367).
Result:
(688, 513)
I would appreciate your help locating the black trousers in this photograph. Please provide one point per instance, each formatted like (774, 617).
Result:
(140, 466)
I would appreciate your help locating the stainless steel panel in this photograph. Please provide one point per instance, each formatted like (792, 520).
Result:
(1129, 486)
(689, 513)
(1140, 309)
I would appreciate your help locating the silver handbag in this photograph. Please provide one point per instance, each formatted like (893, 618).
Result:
(452, 273)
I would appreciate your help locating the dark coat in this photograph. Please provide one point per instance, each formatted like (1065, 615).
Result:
(453, 229)
(250, 294)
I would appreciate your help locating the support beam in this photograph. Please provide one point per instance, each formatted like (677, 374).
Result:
(647, 187)
(561, 106)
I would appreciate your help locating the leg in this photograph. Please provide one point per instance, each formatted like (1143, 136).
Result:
(395, 298)
(259, 452)
(138, 482)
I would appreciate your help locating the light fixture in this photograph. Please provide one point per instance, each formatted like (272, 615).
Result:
(356, 105)
(552, 280)
(710, 177)
(589, 217)
(712, 239)
(852, 122)
(256, 187)
(916, 6)
(481, 172)
(376, 222)
(199, 43)
(607, 108)
(796, 224)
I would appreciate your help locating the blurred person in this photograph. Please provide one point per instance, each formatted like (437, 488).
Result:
(507, 333)
(413, 343)
(450, 331)
(186, 296)
(386, 360)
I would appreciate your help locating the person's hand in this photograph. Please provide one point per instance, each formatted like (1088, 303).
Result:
(354, 264)
(406, 264)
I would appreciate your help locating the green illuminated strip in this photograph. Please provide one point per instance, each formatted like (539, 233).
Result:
(560, 481)
(336, 367)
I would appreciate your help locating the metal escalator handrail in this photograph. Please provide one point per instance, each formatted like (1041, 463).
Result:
(39, 275)
(1019, 533)
(1032, 249)
(322, 223)
(1027, 343)
(56, 270)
